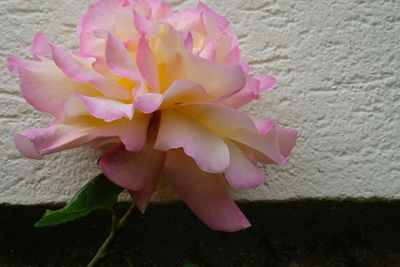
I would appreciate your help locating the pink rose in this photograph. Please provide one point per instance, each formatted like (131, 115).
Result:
(162, 89)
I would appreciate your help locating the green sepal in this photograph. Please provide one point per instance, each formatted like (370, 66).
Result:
(98, 194)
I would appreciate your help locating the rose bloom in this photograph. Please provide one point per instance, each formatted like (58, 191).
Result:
(161, 91)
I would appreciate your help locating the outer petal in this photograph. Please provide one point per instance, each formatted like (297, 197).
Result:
(227, 47)
(241, 172)
(209, 76)
(286, 138)
(188, 20)
(40, 46)
(140, 6)
(244, 96)
(103, 17)
(160, 10)
(206, 194)
(80, 73)
(99, 107)
(216, 19)
(254, 86)
(222, 48)
(78, 131)
(45, 86)
(235, 125)
(135, 171)
(266, 81)
(177, 130)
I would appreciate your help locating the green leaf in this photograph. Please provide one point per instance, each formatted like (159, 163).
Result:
(97, 194)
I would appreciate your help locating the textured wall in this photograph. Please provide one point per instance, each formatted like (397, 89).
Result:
(337, 65)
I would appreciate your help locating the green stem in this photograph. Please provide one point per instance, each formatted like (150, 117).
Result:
(116, 227)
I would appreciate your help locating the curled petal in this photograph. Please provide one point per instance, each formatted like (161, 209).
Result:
(179, 131)
(188, 43)
(286, 138)
(142, 25)
(40, 46)
(222, 48)
(135, 171)
(99, 107)
(148, 103)
(140, 6)
(99, 16)
(188, 20)
(205, 194)
(242, 172)
(209, 52)
(81, 73)
(176, 63)
(147, 64)
(45, 86)
(235, 125)
(184, 91)
(181, 91)
(212, 21)
(244, 96)
(119, 60)
(78, 131)
(160, 10)
(104, 17)
(209, 76)
(254, 86)
(266, 82)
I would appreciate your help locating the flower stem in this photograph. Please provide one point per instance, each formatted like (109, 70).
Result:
(116, 227)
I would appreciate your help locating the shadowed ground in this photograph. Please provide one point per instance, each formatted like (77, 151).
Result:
(298, 233)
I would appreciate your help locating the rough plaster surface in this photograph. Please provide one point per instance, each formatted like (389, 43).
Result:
(337, 63)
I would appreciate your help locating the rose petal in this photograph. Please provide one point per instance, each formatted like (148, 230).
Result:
(100, 15)
(188, 20)
(148, 103)
(205, 194)
(181, 91)
(217, 19)
(235, 125)
(135, 171)
(177, 130)
(147, 64)
(209, 52)
(266, 82)
(142, 25)
(241, 172)
(45, 86)
(40, 46)
(160, 10)
(244, 96)
(179, 64)
(119, 60)
(286, 138)
(80, 73)
(184, 91)
(188, 42)
(78, 131)
(99, 107)
(104, 17)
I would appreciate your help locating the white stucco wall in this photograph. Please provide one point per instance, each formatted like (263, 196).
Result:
(338, 66)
